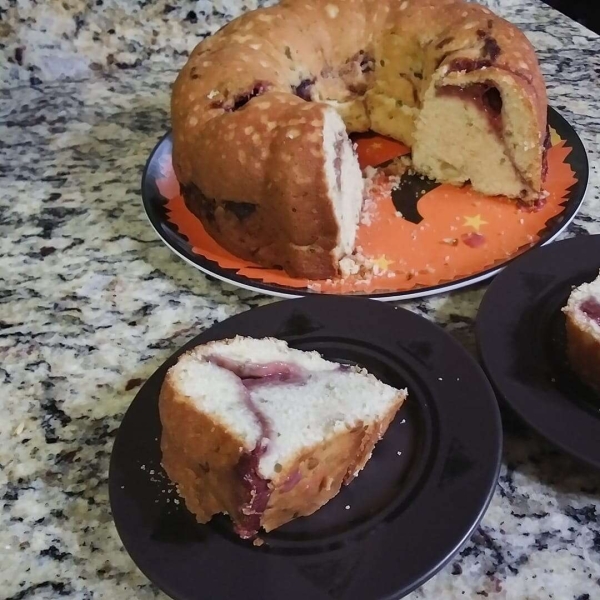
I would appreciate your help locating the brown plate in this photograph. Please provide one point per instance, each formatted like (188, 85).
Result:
(416, 503)
(522, 342)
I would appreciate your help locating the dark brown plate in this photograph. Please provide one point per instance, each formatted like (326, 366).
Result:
(417, 502)
(522, 342)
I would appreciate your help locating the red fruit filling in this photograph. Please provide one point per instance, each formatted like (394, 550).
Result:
(485, 96)
(256, 487)
(591, 309)
(473, 240)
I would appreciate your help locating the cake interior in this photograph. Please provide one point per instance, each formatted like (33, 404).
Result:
(584, 307)
(464, 122)
(344, 180)
(302, 397)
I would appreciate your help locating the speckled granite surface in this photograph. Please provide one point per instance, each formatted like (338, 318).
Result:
(91, 302)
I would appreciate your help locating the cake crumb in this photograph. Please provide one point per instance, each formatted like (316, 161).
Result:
(377, 184)
(363, 268)
(258, 542)
(347, 507)
(399, 453)
(348, 266)
(398, 167)
(450, 241)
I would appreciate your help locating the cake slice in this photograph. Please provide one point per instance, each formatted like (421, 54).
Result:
(583, 332)
(299, 209)
(265, 433)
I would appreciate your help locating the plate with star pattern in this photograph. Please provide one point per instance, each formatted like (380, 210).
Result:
(416, 237)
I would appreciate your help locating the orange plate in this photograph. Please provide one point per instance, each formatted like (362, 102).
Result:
(420, 235)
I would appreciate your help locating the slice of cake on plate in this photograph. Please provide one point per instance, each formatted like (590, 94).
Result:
(583, 332)
(265, 433)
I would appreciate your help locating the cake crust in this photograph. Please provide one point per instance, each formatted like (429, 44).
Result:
(200, 455)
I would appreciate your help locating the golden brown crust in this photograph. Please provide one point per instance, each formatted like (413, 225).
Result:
(269, 53)
(275, 148)
(199, 455)
(583, 350)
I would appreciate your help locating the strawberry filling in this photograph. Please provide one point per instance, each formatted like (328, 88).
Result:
(591, 309)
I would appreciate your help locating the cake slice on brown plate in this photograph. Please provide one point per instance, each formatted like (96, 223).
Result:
(265, 433)
(583, 332)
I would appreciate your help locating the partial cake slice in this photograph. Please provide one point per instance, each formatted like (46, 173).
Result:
(266, 433)
(583, 331)
(299, 209)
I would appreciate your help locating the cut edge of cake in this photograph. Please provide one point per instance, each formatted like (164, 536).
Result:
(221, 451)
(582, 314)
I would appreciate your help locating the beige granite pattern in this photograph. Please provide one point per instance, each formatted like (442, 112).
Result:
(91, 302)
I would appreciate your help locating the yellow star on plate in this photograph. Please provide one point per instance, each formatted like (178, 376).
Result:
(556, 139)
(475, 222)
(383, 263)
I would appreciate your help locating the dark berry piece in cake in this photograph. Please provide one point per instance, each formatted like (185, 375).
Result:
(259, 88)
(491, 49)
(198, 203)
(367, 62)
(240, 100)
(242, 210)
(304, 89)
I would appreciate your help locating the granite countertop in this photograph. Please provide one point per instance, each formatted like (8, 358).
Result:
(91, 302)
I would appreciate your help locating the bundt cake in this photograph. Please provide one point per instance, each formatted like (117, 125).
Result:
(265, 433)
(583, 332)
(262, 110)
